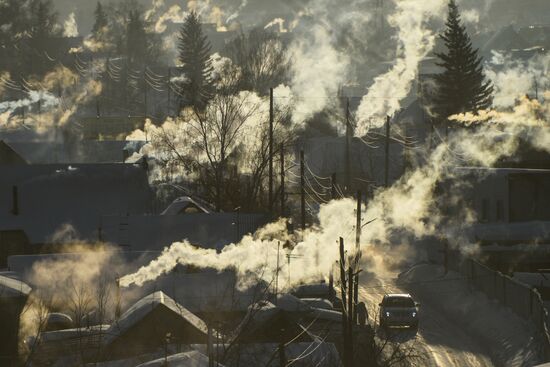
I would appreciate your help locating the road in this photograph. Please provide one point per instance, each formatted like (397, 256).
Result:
(439, 341)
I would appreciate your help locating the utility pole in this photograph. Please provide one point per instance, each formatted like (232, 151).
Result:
(169, 86)
(348, 147)
(302, 190)
(387, 155)
(351, 312)
(344, 301)
(277, 272)
(145, 90)
(358, 226)
(333, 186)
(271, 150)
(282, 147)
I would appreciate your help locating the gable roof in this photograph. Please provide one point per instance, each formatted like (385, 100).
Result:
(147, 305)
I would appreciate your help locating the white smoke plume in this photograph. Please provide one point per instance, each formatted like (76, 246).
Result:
(54, 111)
(513, 77)
(70, 27)
(416, 40)
(279, 23)
(407, 210)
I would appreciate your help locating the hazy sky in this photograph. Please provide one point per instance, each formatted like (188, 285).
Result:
(501, 12)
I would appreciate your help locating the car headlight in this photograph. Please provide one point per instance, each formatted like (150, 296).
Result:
(414, 314)
(387, 314)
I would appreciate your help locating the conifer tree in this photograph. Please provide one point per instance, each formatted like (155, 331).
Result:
(101, 19)
(194, 55)
(462, 86)
(136, 39)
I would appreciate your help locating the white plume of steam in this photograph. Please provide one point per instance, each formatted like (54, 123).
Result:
(407, 210)
(318, 70)
(514, 77)
(175, 14)
(55, 111)
(279, 23)
(209, 12)
(236, 14)
(70, 27)
(416, 41)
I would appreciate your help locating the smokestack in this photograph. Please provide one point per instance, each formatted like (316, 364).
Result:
(15, 201)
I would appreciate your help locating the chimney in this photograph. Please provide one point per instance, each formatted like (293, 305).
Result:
(15, 201)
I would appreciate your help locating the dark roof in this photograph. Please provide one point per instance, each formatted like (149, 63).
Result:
(87, 151)
(505, 39)
(9, 156)
(50, 196)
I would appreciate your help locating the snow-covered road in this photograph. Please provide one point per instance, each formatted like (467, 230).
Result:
(445, 339)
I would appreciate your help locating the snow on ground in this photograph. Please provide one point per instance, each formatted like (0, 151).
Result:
(503, 336)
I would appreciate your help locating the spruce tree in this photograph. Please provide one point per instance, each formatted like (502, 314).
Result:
(101, 20)
(136, 39)
(462, 86)
(194, 55)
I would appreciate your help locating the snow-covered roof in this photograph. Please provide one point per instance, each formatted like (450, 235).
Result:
(291, 303)
(11, 288)
(183, 204)
(396, 295)
(187, 359)
(147, 305)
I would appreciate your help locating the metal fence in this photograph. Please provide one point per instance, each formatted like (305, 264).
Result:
(523, 300)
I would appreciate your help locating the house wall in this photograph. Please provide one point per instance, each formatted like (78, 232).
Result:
(155, 232)
(510, 196)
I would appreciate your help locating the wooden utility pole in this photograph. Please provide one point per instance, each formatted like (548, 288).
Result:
(387, 155)
(351, 312)
(358, 225)
(282, 147)
(302, 190)
(348, 147)
(344, 301)
(169, 88)
(145, 91)
(271, 117)
(333, 186)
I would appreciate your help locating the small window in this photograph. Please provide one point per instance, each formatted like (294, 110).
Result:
(485, 210)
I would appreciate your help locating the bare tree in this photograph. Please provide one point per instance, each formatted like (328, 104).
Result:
(224, 147)
(262, 57)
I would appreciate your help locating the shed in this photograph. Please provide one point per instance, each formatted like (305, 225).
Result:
(144, 327)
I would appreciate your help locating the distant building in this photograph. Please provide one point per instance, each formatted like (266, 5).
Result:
(37, 201)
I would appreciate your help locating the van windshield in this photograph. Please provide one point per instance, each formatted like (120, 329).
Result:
(398, 302)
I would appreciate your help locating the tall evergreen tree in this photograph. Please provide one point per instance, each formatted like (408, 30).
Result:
(136, 39)
(462, 86)
(194, 55)
(101, 19)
